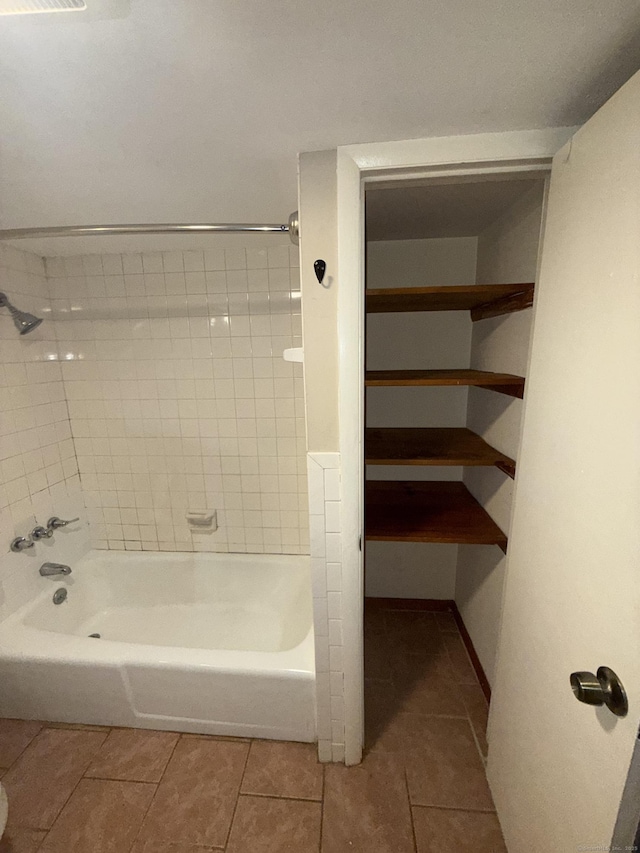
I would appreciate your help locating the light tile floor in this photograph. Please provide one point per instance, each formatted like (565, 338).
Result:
(421, 787)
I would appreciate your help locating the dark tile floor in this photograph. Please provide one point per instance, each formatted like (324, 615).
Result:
(426, 715)
(421, 787)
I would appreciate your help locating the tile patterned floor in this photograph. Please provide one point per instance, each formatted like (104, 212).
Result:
(420, 789)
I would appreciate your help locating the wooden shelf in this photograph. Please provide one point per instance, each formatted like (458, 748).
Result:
(483, 300)
(505, 383)
(448, 446)
(411, 511)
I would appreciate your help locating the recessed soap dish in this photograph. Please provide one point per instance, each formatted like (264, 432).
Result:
(205, 521)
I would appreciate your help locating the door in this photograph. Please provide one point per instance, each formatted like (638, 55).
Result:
(572, 600)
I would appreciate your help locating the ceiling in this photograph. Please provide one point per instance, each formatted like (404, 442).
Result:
(441, 210)
(195, 110)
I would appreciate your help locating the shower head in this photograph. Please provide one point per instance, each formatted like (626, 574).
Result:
(24, 322)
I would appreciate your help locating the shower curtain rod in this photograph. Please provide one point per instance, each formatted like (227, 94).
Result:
(291, 228)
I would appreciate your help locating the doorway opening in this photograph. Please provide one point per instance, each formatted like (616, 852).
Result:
(451, 267)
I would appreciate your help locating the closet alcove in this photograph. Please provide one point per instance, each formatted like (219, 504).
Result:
(450, 284)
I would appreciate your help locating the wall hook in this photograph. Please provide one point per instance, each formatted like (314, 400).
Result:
(320, 267)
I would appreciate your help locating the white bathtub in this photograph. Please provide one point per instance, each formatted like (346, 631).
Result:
(212, 643)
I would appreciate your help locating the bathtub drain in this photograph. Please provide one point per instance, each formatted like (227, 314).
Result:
(97, 636)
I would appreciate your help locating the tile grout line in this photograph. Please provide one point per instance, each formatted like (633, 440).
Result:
(439, 716)
(235, 807)
(200, 736)
(453, 808)
(406, 784)
(5, 770)
(402, 749)
(278, 796)
(468, 714)
(54, 725)
(157, 784)
(62, 807)
(324, 782)
(477, 743)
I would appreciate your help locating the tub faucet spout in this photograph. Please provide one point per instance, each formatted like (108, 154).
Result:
(49, 570)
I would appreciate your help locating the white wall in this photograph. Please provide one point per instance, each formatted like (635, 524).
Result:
(413, 341)
(318, 239)
(317, 206)
(507, 253)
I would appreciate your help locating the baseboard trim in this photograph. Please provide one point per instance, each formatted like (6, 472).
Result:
(475, 660)
(439, 605)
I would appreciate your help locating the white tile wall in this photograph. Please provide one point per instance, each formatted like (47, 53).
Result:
(326, 573)
(37, 459)
(38, 470)
(179, 398)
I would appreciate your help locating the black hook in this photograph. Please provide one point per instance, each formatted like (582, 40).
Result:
(320, 267)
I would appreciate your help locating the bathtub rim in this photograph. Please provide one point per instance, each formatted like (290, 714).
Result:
(19, 641)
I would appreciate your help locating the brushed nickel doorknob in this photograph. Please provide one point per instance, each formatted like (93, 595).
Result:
(603, 688)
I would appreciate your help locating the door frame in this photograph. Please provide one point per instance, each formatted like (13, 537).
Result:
(357, 165)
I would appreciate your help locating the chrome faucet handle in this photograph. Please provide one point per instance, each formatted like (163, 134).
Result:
(54, 523)
(41, 532)
(21, 543)
(50, 570)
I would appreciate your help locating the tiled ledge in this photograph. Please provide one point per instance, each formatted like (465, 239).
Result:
(326, 568)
